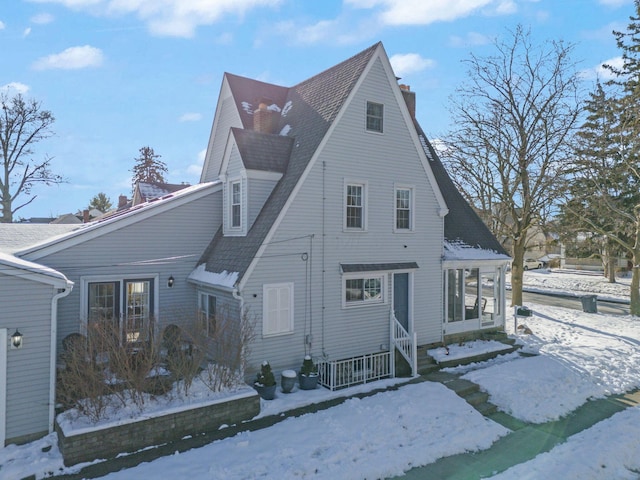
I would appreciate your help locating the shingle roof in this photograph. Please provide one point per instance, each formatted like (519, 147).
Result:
(308, 108)
(263, 151)
(151, 190)
(462, 225)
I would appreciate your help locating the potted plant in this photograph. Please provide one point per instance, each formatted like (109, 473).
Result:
(265, 383)
(308, 377)
(288, 380)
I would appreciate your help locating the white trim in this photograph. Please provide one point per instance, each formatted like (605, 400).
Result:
(97, 229)
(365, 201)
(412, 207)
(365, 276)
(3, 386)
(268, 286)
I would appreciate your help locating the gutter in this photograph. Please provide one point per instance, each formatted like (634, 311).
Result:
(54, 341)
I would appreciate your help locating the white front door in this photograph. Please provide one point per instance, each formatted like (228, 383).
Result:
(3, 385)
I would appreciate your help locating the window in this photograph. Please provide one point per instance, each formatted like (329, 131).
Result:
(236, 205)
(355, 202)
(375, 113)
(364, 290)
(207, 313)
(124, 306)
(277, 315)
(404, 209)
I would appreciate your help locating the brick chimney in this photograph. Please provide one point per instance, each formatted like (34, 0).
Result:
(409, 99)
(122, 201)
(264, 119)
(85, 216)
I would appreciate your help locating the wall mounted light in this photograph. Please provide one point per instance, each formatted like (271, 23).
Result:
(170, 281)
(16, 340)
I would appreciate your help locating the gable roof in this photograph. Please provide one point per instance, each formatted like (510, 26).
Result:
(463, 228)
(145, 191)
(309, 109)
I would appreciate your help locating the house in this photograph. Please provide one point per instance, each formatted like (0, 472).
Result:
(323, 215)
(147, 191)
(29, 294)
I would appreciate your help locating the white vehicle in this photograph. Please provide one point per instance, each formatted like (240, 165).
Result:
(530, 263)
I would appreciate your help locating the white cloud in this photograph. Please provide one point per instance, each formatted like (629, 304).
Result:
(190, 117)
(1, 25)
(600, 72)
(26, 32)
(407, 63)
(469, 40)
(14, 88)
(196, 168)
(178, 18)
(42, 18)
(421, 12)
(72, 58)
(615, 3)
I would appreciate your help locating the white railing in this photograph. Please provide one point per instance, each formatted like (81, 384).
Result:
(406, 343)
(338, 374)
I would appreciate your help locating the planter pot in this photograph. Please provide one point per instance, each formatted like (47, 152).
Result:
(288, 380)
(308, 382)
(267, 393)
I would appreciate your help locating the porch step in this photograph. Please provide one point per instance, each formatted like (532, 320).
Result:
(426, 363)
(483, 357)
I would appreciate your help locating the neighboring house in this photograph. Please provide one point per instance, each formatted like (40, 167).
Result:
(29, 294)
(323, 214)
(147, 191)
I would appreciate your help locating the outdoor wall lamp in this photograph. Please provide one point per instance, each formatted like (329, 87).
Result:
(170, 281)
(16, 340)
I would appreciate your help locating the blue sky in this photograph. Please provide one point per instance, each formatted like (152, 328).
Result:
(122, 74)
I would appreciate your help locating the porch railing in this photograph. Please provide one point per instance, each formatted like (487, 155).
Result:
(338, 374)
(406, 343)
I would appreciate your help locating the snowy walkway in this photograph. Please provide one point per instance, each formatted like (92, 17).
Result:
(525, 442)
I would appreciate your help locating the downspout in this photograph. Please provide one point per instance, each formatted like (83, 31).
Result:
(54, 342)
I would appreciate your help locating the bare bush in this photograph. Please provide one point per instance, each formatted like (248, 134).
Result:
(229, 348)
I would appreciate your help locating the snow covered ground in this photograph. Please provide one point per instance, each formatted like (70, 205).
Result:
(581, 356)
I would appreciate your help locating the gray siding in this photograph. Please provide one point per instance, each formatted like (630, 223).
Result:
(170, 243)
(26, 306)
(381, 160)
(258, 190)
(228, 117)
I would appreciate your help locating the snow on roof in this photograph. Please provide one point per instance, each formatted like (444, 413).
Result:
(462, 251)
(30, 267)
(16, 236)
(222, 279)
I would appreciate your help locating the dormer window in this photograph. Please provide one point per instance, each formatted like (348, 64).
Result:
(236, 204)
(375, 112)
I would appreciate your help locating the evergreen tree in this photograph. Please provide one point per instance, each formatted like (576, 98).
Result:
(148, 167)
(101, 202)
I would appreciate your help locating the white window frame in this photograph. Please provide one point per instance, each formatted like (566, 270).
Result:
(205, 316)
(374, 117)
(233, 204)
(364, 276)
(363, 206)
(283, 326)
(411, 190)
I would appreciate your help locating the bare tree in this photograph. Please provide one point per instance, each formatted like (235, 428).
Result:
(513, 119)
(22, 124)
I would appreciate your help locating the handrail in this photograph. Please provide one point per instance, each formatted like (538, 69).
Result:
(406, 343)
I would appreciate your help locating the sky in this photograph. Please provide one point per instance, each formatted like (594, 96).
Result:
(119, 75)
(575, 356)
